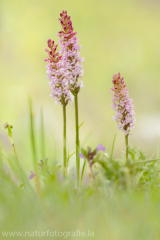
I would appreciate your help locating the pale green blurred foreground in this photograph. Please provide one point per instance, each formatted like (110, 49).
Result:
(124, 216)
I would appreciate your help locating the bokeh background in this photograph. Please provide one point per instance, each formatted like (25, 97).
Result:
(116, 36)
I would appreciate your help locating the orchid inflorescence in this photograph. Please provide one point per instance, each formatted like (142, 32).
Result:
(71, 53)
(122, 105)
(56, 73)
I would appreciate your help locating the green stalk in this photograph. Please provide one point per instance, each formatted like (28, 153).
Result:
(64, 142)
(126, 141)
(77, 140)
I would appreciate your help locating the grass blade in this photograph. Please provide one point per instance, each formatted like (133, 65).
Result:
(33, 145)
(69, 156)
(144, 161)
(81, 124)
(32, 134)
(43, 142)
(83, 168)
(111, 156)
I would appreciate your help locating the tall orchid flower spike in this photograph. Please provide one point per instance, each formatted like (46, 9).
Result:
(59, 85)
(71, 53)
(123, 106)
(72, 64)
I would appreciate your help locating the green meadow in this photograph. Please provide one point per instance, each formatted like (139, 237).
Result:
(120, 200)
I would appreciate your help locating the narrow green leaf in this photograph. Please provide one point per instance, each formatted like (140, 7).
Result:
(32, 134)
(70, 156)
(84, 152)
(13, 165)
(83, 168)
(16, 168)
(145, 161)
(55, 163)
(43, 146)
(102, 163)
(81, 124)
(111, 155)
(59, 166)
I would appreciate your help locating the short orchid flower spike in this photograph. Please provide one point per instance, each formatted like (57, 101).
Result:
(56, 74)
(122, 105)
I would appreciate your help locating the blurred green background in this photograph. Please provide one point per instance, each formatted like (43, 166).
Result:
(116, 36)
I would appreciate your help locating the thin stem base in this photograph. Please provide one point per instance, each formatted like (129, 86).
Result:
(126, 141)
(64, 142)
(77, 140)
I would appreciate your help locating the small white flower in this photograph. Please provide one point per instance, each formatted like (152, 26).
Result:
(106, 154)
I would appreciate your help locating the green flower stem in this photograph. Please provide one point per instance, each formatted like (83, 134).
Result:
(77, 140)
(64, 142)
(126, 141)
